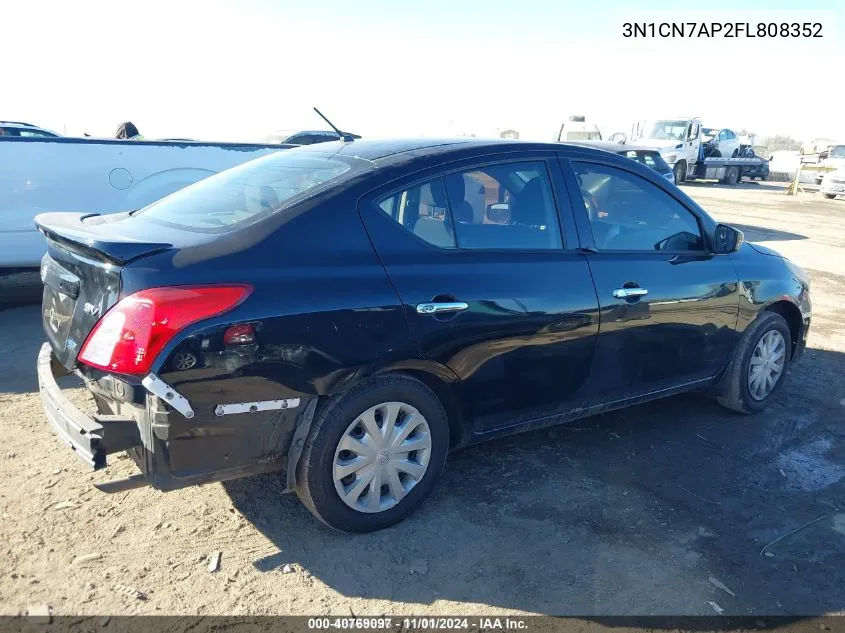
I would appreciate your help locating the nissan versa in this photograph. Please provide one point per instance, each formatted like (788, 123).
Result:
(346, 313)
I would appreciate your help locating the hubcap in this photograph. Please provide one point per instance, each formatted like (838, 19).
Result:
(382, 455)
(767, 363)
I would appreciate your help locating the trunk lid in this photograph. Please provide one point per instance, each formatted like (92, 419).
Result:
(81, 275)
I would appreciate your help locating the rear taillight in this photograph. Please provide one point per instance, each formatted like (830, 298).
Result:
(133, 332)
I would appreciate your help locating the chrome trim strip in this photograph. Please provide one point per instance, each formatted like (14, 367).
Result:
(253, 407)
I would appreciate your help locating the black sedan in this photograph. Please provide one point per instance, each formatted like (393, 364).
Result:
(347, 313)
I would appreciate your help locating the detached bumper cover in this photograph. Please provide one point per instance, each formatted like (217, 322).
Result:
(91, 437)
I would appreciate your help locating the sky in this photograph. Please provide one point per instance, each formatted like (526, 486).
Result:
(220, 70)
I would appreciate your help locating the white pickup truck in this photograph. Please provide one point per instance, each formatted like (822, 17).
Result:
(96, 176)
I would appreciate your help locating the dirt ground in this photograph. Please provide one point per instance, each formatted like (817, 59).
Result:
(664, 508)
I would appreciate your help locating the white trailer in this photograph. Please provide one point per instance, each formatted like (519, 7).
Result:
(680, 144)
(96, 176)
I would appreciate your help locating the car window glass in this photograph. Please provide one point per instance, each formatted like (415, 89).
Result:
(422, 210)
(630, 213)
(245, 193)
(652, 160)
(505, 206)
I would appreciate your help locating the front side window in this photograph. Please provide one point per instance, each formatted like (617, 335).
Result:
(248, 192)
(505, 206)
(629, 213)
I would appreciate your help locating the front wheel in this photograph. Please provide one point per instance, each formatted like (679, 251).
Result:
(830, 196)
(373, 454)
(679, 170)
(759, 365)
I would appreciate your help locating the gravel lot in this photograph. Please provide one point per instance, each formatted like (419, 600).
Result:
(660, 509)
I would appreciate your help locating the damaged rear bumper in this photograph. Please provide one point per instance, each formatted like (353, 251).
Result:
(173, 443)
(92, 437)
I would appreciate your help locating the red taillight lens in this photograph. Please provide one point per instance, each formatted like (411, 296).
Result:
(133, 332)
(240, 334)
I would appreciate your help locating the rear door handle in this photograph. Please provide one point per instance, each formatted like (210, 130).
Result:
(626, 293)
(439, 307)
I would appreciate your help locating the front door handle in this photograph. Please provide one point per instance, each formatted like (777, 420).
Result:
(627, 293)
(440, 307)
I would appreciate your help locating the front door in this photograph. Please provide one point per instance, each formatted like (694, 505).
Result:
(668, 305)
(692, 144)
(490, 289)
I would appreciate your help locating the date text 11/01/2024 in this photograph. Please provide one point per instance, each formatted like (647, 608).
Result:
(417, 624)
(769, 30)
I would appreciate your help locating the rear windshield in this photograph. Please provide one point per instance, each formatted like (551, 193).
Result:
(648, 158)
(246, 193)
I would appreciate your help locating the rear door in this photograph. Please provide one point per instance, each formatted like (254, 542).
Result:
(492, 284)
(668, 305)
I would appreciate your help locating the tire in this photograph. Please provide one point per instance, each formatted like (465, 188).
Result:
(735, 154)
(736, 392)
(830, 196)
(732, 176)
(680, 172)
(316, 485)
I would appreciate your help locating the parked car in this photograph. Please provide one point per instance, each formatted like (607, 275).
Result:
(833, 184)
(305, 137)
(364, 324)
(722, 143)
(27, 130)
(648, 156)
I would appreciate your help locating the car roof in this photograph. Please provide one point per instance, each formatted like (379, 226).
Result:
(400, 149)
(609, 146)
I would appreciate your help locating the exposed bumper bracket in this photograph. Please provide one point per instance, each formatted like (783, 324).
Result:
(158, 387)
(92, 437)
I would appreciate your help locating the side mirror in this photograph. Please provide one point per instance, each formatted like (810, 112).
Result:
(498, 212)
(727, 239)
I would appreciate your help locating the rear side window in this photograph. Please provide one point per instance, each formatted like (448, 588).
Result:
(248, 192)
(504, 206)
(423, 211)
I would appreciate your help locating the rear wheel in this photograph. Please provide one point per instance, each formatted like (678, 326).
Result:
(373, 454)
(759, 365)
(731, 176)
